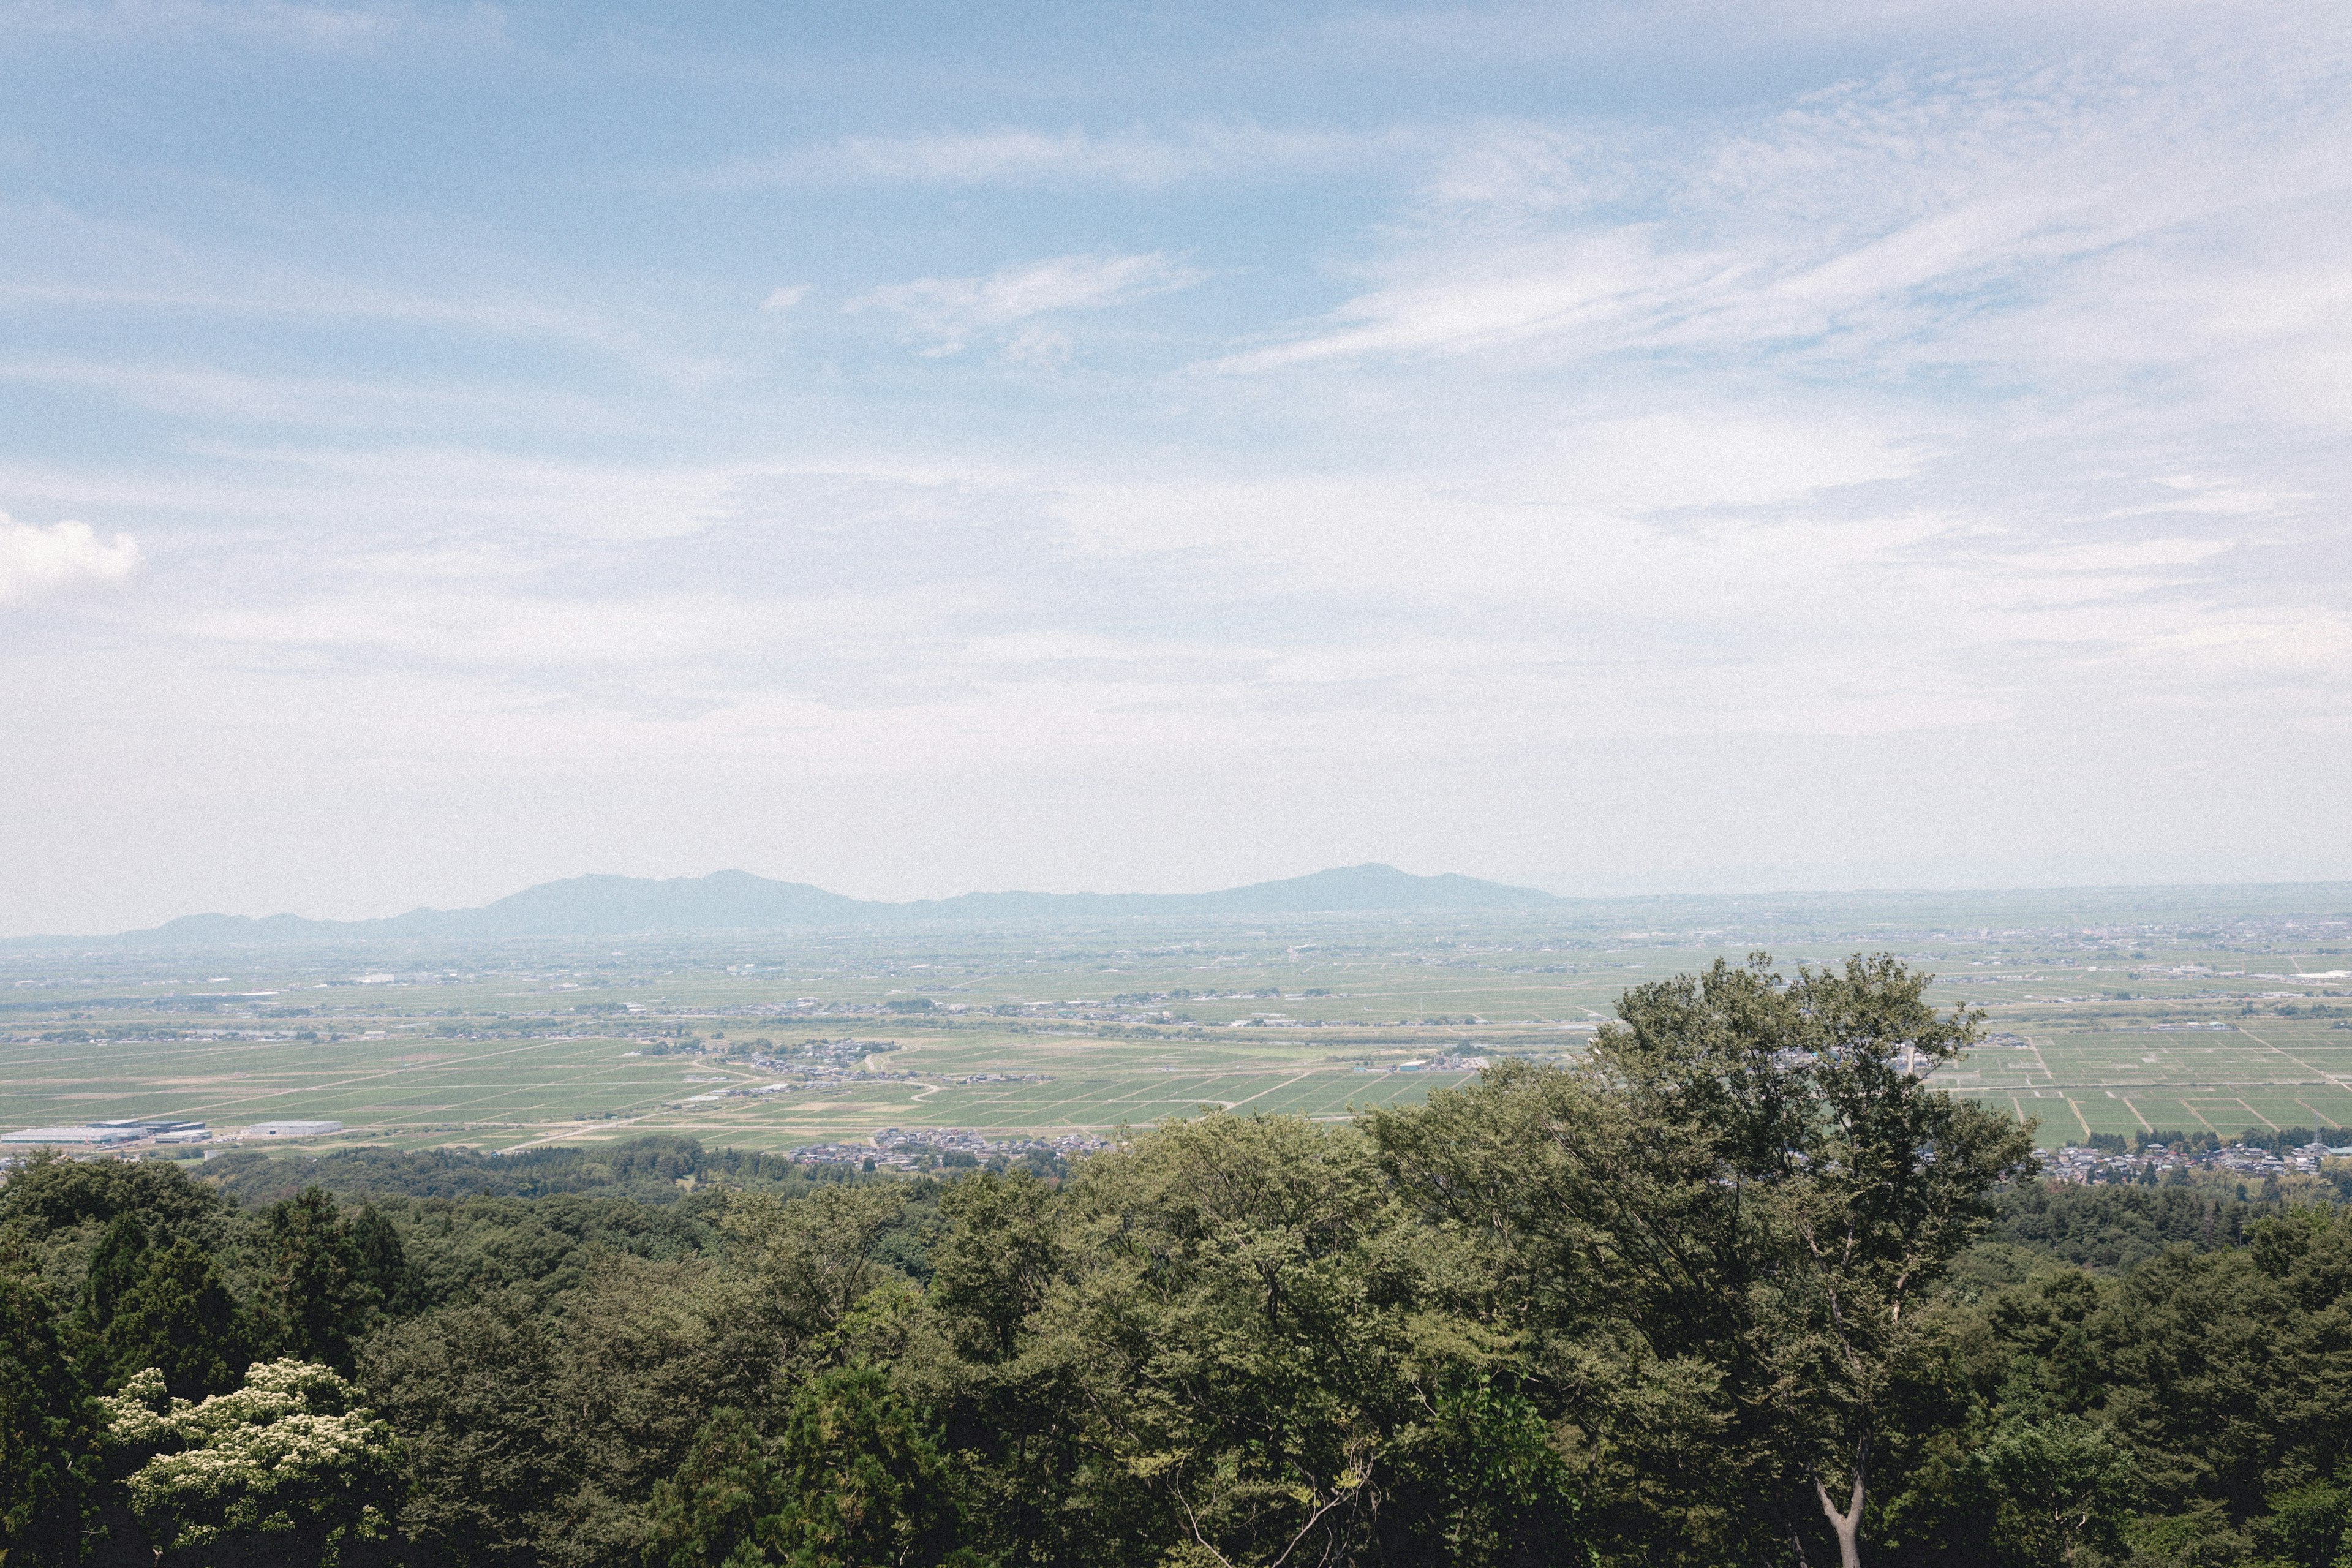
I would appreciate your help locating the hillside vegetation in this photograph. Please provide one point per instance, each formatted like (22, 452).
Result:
(1737, 1289)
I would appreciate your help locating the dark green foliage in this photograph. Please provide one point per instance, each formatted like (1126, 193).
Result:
(988, 1272)
(161, 1305)
(50, 1193)
(463, 1251)
(2060, 1483)
(2111, 1228)
(642, 1169)
(726, 1504)
(115, 1269)
(866, 1485)
(1485, 1482)
(179, 1318)
(327, 1276)
(1663, 1309)
(473, 1391)
(1718, 1235)
(47, 1433)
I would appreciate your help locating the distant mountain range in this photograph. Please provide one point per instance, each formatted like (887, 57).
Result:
(738, 901)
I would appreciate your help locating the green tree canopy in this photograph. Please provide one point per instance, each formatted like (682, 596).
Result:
(725, 1507)
(865, 1480)
(289, 1458)
(48, 1431)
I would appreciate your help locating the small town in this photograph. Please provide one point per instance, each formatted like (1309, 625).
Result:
(2156, 1164)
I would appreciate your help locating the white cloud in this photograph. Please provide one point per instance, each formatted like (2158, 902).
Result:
(1040, 347)
(1724, 457)
(2127, 555)
(79, 264)
(1994, 414)
(323, 29)
(35, 561)
(949, 310)
(1885, 225)
(1022, 156)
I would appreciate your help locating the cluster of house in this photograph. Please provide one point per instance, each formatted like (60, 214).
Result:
(2075, 1164)
(1452, 1061)
(903, 1149)
(840, 1059)
(812, 1064)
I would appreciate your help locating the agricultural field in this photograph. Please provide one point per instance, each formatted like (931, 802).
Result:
(2103, 1015)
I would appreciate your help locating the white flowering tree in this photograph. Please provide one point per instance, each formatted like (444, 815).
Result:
(291, 1460)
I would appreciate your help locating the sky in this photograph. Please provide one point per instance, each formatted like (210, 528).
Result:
(1690, 446)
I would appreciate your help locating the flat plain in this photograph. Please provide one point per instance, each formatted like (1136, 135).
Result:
(2124, 1010)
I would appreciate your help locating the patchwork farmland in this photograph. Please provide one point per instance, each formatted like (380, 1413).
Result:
(2123, 1018)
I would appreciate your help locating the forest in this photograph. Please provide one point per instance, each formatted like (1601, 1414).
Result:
(1739, 1287)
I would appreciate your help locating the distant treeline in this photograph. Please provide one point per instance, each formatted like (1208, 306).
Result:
(1738, 1289)
(2278, 1139)
(653, 1170)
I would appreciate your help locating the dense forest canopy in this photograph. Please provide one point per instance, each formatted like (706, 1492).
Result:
(1740, 1288)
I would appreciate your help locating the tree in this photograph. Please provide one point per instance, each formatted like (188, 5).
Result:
(991, 1270)
(646, 1351)
(177, 1318)
(1247, 1333)
(2063, 1484)
(473, 1394)
(811, 1259)
(725, 1507)
(1720, 1227)
(54, 1193)
(1881, 1184)
(866, 1485)
(114, 1270)
(328, 1275)
(48, 1431)
(289, 1460)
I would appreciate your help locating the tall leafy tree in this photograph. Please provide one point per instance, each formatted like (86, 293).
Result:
(1721, 1229)
(328, 1275)
(474, 1392)
(864, 1479)
(2063, 1483)
(179, 1318)
(52, 1193)
(48, 1430)
(1251, 1335)
(992, 1268)
(812, 1259)
(1884, 1181)
(725, 1507)
(116, 1267)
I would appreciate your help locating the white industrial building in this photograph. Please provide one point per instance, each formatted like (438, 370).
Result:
(74, 1137)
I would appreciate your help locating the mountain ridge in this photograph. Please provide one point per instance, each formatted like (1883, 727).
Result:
(601, 904)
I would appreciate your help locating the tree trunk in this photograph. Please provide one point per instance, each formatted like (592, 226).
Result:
(1848, 1525)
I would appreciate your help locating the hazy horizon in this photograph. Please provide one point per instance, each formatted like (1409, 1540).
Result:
(1859, 892)
(1618, 450)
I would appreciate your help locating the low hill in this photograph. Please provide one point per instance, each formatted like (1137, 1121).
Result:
(738, 901)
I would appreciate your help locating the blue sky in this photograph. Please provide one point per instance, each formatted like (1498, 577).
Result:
(914, 449)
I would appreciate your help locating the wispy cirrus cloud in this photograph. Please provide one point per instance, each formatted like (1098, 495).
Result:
(1012, 155)
(1882, 223)
(1669, 424)
(352, 29)
(947, 312)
